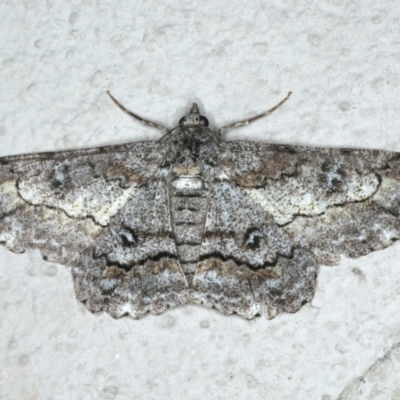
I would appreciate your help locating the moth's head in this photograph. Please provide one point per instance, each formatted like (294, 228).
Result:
(193, 118)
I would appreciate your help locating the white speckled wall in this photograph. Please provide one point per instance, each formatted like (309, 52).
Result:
(340, 59)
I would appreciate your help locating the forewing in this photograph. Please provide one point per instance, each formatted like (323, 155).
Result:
(60, 202)
(328, 201)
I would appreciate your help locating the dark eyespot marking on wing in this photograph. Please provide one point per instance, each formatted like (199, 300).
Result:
(128, 237)
(60, 177)
(252, 238)
(332, 176)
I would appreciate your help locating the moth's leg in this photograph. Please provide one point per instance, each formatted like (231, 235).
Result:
(142, 120)
(250, 120)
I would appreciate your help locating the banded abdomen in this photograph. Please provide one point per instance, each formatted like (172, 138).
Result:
(188, 207)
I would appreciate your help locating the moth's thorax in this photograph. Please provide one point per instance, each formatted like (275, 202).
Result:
(186, 145)
(191, 134)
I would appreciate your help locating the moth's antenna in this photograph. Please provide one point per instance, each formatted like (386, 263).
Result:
(250, 120)
(142, 120)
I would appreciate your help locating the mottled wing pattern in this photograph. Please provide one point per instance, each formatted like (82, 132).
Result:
(248, 261)
(60, 202)
(329, 201)
(284, 210)
(132, 268)
(105, 213)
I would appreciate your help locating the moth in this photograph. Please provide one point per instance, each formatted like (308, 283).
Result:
(238, 226)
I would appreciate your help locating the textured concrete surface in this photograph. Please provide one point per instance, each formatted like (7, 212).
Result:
(340, 59)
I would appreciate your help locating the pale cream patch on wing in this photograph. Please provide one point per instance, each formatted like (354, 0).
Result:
(9, 196)
(282, 212)
(291, 198)
(101, 201)
(8, 188)
(388, 192)
(359, 190)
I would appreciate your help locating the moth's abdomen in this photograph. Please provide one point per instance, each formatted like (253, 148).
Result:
(188, 202)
